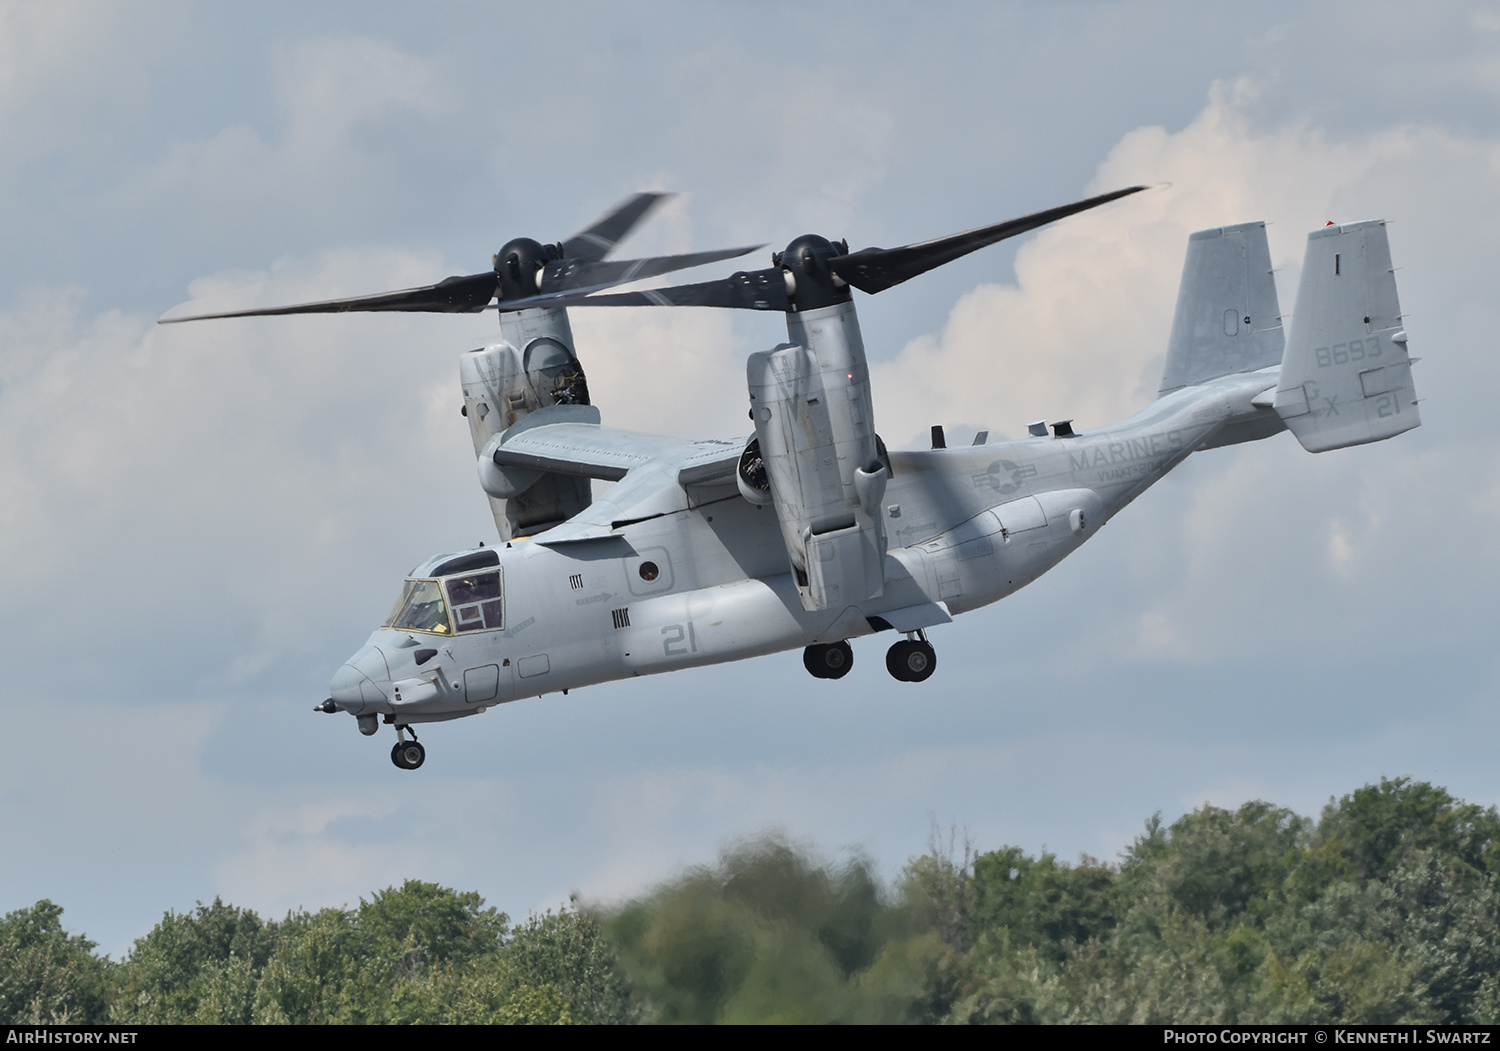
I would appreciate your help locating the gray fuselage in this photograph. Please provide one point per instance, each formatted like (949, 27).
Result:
(708, 581)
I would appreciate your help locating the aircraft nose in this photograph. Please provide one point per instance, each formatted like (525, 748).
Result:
(361, 682)
(345, 688)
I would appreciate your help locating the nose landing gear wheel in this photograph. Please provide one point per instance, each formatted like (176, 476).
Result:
(828, 662)
(408, 755)
(911, 660)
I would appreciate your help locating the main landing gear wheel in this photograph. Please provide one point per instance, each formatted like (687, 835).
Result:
(911, 660)
(408, 755)
(828, 662)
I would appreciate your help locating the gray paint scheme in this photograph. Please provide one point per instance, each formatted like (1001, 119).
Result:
(964, 526)
(1227, 318)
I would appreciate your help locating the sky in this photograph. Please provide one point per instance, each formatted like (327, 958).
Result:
(199, 523)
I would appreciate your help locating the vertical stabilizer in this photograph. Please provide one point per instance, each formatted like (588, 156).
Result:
(1227, 317)
(1346, 379)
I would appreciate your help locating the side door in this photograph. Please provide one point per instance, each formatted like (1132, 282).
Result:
(477, 601)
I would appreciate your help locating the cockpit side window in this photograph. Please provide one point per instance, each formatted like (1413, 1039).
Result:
(420, 608)
(476, 602)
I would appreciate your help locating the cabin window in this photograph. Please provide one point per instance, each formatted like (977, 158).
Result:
(476, 602)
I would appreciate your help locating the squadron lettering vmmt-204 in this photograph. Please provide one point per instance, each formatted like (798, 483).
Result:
(809, 532)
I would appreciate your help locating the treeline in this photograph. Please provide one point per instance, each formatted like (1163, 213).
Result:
(1385, 909)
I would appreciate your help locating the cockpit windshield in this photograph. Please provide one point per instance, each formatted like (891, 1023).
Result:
(420, 608)
(475, 602)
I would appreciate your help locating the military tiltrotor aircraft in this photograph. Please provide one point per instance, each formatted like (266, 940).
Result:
(810, 532)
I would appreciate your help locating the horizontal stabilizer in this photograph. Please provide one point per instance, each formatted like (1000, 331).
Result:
(1346, 378)
(1227, 318)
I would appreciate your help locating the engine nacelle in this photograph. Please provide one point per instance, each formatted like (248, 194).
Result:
(751, 477)
(532, 368)
(815, 429)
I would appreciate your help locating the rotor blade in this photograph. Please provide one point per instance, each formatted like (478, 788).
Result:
(756, 290)
(876, 269)
(452, 295)
(571, 275)
(596, 242)
(457, 295)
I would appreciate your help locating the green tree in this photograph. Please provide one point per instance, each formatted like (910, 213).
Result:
(1220, 866)
(419, 954)
(48, 976)
(318, 973)
(1385, 910)
(405, 956)
(1041, 903)
(768, 935)
(198, 966)
(568, 952)
(424, 923)
(1373, 828)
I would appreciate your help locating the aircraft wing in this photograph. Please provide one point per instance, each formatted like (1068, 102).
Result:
(655, 475)
(608, 453)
